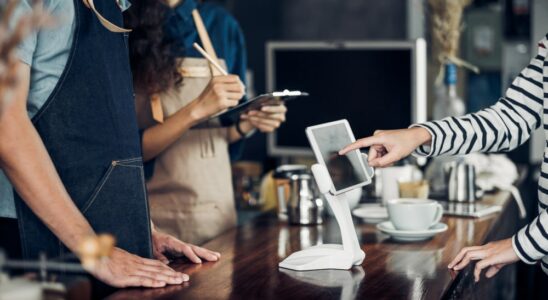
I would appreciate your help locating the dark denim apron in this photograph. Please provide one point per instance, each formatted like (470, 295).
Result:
(89, 127)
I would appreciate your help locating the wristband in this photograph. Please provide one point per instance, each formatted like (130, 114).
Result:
(242, 133)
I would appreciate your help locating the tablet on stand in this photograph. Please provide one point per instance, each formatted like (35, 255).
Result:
(335, 175)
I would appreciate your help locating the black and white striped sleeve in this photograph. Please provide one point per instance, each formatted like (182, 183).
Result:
(501, 127)
(531, 242)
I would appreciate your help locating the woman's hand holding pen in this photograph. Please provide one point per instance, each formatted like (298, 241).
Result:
(389, 146)
(221, 93)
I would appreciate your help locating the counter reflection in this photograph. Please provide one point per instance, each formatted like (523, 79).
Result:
(348, 281)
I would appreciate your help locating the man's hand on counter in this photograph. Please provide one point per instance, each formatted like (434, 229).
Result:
(491, 257)
(123, 269)
(163, 244)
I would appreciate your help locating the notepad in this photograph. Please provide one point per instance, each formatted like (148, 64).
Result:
(269, 99)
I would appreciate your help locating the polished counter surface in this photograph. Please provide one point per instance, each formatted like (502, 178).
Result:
(249, 269)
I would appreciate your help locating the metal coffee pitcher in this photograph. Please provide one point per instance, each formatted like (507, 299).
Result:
(282, 177)
(461, 183)
(298, 196)
(304, 206)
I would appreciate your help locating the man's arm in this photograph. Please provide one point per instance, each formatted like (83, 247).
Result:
(26, 162)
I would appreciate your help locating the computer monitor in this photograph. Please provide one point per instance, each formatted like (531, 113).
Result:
(374, 85)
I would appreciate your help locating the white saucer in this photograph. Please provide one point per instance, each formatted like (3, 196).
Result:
(410, 236)
(371, 213)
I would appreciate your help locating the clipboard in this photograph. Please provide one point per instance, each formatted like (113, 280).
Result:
(269, 99)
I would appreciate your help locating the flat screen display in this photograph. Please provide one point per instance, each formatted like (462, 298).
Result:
(371, 88)
(345, 170)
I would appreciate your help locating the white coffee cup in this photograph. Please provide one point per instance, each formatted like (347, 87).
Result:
(414, 214)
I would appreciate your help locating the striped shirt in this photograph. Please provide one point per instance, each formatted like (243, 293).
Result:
(503, 127)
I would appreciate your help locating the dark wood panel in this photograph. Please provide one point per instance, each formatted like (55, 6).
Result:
(391, 270)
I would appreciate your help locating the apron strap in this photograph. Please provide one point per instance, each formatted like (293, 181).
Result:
(108, 25)
(156, 108)
(206, 41)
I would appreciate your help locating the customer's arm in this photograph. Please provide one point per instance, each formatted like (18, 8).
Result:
(529, 245)
(501, 127)
(24, 159)
(221, 93)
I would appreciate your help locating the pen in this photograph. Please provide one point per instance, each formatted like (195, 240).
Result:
(211, 60)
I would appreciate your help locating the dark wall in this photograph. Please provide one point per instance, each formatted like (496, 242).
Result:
(264, 20)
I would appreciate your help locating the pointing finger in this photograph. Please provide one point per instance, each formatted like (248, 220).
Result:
(362, 143)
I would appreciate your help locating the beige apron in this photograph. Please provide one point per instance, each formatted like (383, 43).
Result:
(190, 192)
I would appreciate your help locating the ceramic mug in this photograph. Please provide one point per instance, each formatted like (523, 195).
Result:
(413, 214)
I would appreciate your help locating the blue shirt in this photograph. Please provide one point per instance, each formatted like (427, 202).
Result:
(225, 34)
(46, 52)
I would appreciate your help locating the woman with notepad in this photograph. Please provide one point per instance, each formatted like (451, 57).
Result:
(179, 86)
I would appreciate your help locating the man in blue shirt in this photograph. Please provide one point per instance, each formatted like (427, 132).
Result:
(70, 147)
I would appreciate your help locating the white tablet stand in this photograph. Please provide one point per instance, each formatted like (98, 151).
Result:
(329, 256)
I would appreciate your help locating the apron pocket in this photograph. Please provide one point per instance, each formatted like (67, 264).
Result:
(115, 164)
(118, 206)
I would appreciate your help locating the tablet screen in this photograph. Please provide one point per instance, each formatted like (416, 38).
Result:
(346, 170)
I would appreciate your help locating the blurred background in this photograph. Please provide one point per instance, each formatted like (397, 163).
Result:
(498, 36)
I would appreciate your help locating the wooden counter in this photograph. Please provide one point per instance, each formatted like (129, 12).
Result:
(248, 268)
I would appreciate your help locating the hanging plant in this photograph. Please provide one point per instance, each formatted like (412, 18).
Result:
(446, 28)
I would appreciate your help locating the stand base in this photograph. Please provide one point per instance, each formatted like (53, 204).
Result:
(320, 257)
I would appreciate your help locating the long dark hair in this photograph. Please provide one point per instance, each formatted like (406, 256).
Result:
(152, 53)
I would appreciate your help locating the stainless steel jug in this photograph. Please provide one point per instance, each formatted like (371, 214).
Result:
(461, 182)
(282, 176)
(304, 206)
